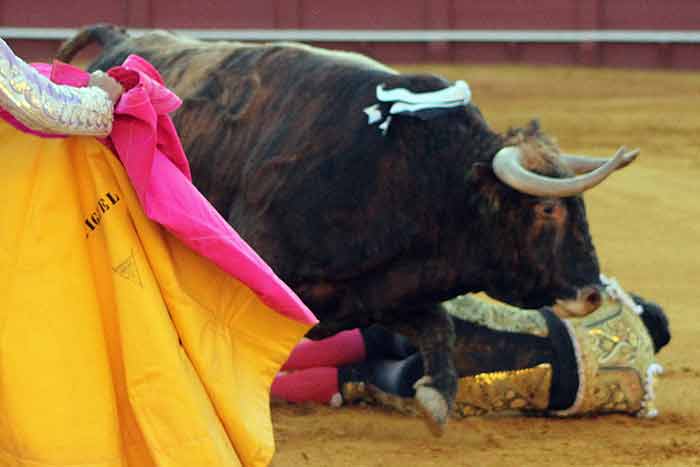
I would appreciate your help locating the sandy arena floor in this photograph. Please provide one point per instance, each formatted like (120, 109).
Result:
(646, 225)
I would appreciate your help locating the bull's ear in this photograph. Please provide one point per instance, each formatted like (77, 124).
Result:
(480, 171)
(481, 178)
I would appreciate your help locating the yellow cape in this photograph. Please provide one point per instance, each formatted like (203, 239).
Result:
(118, 345)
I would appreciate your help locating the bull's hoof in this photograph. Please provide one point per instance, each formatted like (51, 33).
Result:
(433, 405)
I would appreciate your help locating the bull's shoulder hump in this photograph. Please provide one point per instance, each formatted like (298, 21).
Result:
(345, 57)
(169, 43)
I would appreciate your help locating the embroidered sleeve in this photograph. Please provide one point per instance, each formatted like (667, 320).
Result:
(497, 316)
(51, 108)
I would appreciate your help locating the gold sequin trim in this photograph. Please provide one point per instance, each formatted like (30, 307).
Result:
(614, 352)
(526, 389)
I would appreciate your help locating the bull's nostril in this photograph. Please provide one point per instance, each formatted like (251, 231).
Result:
(592, 296)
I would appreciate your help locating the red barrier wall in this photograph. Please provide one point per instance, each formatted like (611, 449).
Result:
(398, 14)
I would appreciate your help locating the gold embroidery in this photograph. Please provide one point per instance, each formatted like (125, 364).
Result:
(526, 389)
(498, 317)
(615, 353)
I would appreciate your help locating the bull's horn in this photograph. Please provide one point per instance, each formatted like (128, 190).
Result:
(509, 169)
(584, 164)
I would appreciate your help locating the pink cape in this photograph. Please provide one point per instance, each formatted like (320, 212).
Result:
(146, 142)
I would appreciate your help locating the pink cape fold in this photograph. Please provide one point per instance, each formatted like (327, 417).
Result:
(146, 142)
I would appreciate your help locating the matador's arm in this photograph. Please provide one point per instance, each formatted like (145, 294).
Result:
(48, 107)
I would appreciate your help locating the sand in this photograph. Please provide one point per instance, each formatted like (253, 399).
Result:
(645, 223)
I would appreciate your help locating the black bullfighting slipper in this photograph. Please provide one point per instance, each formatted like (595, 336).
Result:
(362, 381)
(382, 344)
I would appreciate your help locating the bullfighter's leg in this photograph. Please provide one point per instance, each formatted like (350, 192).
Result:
(432, 331)
(343, 348)
(334, 370)
(351, 346)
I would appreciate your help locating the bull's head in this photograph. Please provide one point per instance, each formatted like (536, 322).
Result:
(534, 218)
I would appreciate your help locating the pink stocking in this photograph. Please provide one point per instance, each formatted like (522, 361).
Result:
(310, 385)
(341, 349)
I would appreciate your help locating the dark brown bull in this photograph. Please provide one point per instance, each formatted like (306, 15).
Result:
(365, 227)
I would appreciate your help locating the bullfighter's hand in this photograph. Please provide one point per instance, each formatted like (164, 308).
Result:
(108, 84)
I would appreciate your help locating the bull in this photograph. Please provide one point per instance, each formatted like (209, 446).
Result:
(369, 226)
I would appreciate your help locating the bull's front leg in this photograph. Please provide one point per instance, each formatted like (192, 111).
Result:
(432, 331)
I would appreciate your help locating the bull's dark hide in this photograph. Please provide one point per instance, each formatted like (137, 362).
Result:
(365, 227)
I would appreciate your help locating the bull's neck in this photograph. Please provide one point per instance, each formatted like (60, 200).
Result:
(479, 349)
(458, 223)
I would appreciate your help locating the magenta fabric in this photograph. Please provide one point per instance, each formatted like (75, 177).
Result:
(64, 73)
(147, 143)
